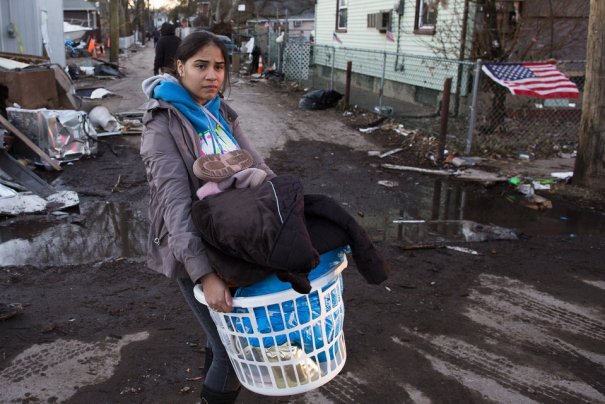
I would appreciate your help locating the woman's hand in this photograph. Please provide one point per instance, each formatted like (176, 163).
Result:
(217, 293)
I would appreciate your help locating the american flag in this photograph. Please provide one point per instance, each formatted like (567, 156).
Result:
(390, 36)
(336, 39)
(534, 79)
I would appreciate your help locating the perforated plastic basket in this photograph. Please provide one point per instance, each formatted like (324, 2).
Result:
(286, 343)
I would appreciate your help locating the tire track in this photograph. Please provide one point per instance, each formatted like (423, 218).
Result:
(343, 389)
(55, 371)
(527, 350)
(501, 378)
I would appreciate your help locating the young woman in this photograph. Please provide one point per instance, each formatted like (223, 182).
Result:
(185, 118)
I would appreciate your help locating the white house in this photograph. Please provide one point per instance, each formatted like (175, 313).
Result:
(405, 42)
(407, 26)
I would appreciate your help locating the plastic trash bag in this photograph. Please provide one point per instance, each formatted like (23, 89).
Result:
(319, 99)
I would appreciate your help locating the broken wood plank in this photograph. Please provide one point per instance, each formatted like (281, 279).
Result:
(416, 169)
(9, 126)
(24, 176)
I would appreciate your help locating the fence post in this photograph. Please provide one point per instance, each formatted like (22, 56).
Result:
(348, 84)
(384, 67)
(472, 120)
(445, 110)
(332, 72)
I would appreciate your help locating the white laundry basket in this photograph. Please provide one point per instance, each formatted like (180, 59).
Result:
(286, 343)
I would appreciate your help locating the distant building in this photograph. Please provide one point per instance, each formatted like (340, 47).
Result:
(81, 12)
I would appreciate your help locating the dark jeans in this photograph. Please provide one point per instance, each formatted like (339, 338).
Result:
(220, 376)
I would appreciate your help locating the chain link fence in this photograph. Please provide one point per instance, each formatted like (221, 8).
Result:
(484, 118)
(527, 127)
(410, 88)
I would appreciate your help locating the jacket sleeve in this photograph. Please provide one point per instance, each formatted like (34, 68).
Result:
(244, 142)
(169, 176)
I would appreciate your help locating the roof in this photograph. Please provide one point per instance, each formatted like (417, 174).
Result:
(72, 5)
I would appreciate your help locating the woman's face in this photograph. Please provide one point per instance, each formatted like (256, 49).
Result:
(203, 74)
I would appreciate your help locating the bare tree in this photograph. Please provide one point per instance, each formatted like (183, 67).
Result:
(589, 169)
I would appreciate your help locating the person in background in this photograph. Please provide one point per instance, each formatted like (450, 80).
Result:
(185, 119)
(156, 36)
(165, 49)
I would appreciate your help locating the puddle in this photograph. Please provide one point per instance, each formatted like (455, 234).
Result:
(446, 207)
(101, 231)
(105, 230)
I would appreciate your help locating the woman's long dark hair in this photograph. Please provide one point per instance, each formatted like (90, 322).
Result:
(196, 41)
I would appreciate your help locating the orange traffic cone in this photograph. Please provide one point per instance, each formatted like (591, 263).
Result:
(260, 65)
(91, 45)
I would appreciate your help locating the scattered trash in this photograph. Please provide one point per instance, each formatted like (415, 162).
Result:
(399, 129)
(515, 181)
(31, 145)
(6, 192)
(562, 175)
(65, 135)
(384, 110)
(526, 189)
(471, 174)
(436, 233)
(97, 96)
(464, 161)
(373, 153)
(319, 99)
(26, 202)
(106, 70)
(388, 184)
(88, 70)
(524, 156)
(390, 152)
(536, 202)
(540, 185)
(101, 117)
(416, 169)
(462, 249)
(368, 130)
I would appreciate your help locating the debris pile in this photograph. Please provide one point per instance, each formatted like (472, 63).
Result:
(49, 123)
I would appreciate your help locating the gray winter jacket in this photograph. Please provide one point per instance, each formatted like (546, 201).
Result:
(168, 149)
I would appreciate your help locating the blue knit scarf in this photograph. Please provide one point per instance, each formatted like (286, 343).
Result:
(178, 96)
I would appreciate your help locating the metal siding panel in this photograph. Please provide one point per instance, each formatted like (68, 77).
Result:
(55, 31)
(26, 17)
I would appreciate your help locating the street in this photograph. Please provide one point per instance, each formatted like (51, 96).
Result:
(511, 321)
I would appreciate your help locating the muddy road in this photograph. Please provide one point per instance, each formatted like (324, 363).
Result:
(494, 321)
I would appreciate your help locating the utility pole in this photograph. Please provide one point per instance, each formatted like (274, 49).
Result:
(589, 171)
(114, 31)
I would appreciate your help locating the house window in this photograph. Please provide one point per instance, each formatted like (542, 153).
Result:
(341, 15)
(426, 16)
(297, 24)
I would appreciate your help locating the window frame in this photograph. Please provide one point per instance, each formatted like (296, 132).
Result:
(341, 5)
(419, 27)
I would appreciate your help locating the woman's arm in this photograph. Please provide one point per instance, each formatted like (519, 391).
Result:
(168, 176)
